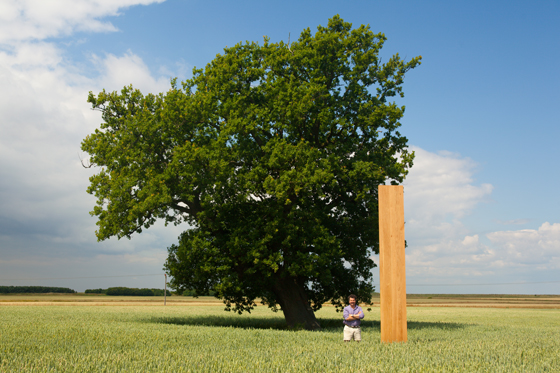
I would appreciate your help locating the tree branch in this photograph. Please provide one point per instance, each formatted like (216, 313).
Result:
(289, 44)
(89, 165)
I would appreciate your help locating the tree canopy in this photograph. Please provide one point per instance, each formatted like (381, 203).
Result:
(271, 155)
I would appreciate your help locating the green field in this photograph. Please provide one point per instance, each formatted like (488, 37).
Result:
(207, 339)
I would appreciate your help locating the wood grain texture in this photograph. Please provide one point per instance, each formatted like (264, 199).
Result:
(392, 264)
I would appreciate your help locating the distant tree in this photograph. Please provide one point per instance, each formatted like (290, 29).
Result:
(34, 289)
(134, 291)
(96, 291)
(272, 154)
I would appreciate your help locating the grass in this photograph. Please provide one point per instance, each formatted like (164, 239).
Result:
(207, 339)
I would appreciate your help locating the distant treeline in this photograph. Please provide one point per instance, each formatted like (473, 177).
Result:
(128, 291)
(34, 289)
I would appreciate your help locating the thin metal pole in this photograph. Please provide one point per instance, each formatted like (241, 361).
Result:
(165, 291)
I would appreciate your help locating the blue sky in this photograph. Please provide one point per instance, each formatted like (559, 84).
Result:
(481, 202)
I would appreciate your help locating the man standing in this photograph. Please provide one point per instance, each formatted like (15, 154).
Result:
(352, 316)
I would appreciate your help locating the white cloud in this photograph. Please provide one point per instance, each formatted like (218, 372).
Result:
(118, 72)
(439, 192)
(35, 54)
(518, 256)
(441, 185)
(43, 118)
(25, 20)
(529, 247)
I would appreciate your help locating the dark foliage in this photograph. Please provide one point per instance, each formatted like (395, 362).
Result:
(272, 154)
(134, 291)
(96, 291)
(33, 289)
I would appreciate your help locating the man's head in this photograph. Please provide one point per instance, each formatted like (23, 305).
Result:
(352, 300)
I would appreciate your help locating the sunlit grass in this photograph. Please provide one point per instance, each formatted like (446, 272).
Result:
(205, 338)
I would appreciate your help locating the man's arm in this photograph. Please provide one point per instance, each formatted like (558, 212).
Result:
(345, 314)
(357, 316)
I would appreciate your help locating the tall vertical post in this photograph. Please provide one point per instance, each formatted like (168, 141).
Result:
(391, 264)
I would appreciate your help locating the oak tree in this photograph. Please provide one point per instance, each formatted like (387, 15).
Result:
(271, 156)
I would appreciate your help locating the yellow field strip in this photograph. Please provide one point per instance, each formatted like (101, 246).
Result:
(118, 303)
(488, 305)
(472, 302)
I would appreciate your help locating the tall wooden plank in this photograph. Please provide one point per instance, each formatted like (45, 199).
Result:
(392, 264)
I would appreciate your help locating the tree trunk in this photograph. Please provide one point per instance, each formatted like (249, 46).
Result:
(293, 300)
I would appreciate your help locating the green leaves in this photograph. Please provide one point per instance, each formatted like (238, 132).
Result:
(272, 153)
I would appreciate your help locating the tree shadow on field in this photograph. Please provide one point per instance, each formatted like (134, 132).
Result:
(278, 323)
(376, 324)
(251, 322)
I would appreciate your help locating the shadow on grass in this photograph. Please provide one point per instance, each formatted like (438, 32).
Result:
(278, 323)
(252, 322)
